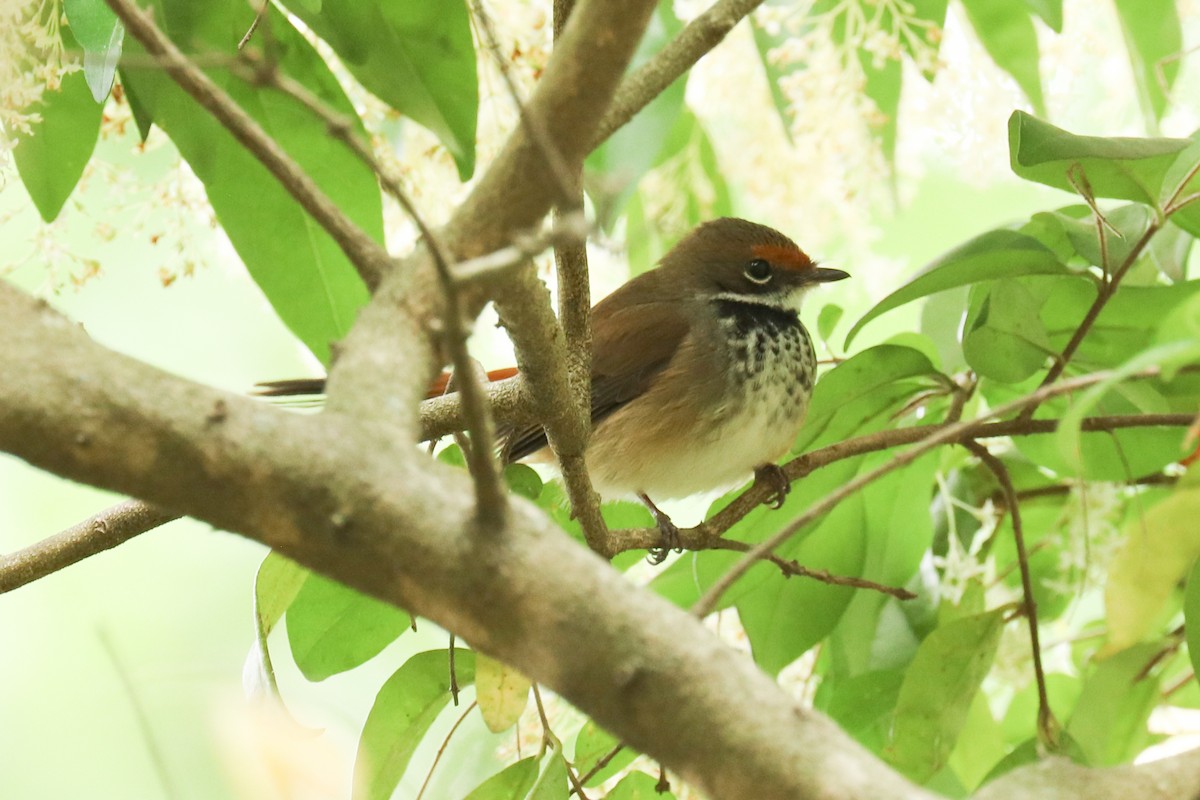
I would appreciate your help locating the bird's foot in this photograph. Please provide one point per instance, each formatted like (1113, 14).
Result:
(774, 478)
(669, 530)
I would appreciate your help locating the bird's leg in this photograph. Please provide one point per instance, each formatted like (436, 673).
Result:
(668, 529)
(774, 478)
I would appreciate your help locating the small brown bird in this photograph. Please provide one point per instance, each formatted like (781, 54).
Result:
(701, 369)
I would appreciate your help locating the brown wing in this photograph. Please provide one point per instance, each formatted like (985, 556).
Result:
(630, 346)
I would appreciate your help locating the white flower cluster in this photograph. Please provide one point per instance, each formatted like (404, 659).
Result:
(31, 61)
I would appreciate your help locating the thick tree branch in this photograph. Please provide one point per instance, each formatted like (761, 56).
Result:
(98, 533)
(368, 256)
(326, 491)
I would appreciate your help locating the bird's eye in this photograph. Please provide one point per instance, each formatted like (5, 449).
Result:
(758, 270)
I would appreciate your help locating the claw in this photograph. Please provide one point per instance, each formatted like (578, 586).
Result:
(670, 533)
(773, 476)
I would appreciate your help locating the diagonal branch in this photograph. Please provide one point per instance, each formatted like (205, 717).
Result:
(368, 256)
(103, 531)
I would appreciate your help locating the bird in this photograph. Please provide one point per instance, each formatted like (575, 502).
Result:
(701, 375)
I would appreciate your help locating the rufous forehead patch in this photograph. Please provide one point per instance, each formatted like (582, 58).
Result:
(783, 256)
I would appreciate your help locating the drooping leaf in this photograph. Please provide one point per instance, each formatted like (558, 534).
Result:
(827, 320)
(275, 587)
(333, 628)
(101, 35)
(1191, 616)
(1050, 11)
(862, 704)
(501, 691)
(419, 58)
(406, 705)
(511, 783)
(1155, 41)
(937, 692)
(308, 280)
(995, 254)
(980, 745)
(615, 167)
(52, 157)
(1121, 168)
(591, 745)
(766, 40)
(1007, 33)
(1109, 721)
(883, 85)
(1159, 549)
(552, 784)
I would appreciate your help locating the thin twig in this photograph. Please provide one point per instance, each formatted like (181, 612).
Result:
(548, 736)
(143, 719)
(1048, 727)
(790, 568)
(948, 433)
(445, 743)
(369, 257)
(98, 533)
(453, 672)
(601, 764)
(258, 18)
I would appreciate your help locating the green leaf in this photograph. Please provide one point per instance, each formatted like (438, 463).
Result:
(980, 744)
(862, 704)
(1180, 186)
(333, 628)
(275, 587)
(594, 743)
(1004, 337)
(553, 784)
(937, 692)
(419, 58)
(827, 320)
(100, 34)
(765, 41)
(406, 705)
(1191, 616)
(1109, 721)
(995, 254)
(511, 783)
(638, 786)
(501, 691)
(302, 271)
(141, 115)
(1007, 33)
(52, 157)
(1050, 11)
(1155, 41)
(883, 84)
(1121, 168)
(1167, 356)
(523, 479)
(615, 167)
(1159, 549)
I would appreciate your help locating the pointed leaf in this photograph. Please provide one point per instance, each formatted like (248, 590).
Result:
(302, 271)
(1051, 12)
(995, 254)
(419, 58)
(1007, 33)
(594, 743)
(404, 708)
(1109, 721)
(511, 783)
(275, 587)
(501, 691)
(937, 692)
(1155, 41)
(553, 783)
(52, 157)
(1158, 551)
(333, 628)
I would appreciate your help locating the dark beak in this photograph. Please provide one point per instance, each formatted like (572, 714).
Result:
(827, 275)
